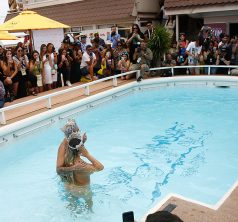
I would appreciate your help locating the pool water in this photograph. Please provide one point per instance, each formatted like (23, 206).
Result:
(181, 140)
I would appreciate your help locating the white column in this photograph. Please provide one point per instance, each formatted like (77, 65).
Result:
(177, 28)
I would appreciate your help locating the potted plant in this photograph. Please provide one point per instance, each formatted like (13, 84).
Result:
(159, 43)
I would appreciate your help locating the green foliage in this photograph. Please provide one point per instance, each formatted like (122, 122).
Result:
(160, 42)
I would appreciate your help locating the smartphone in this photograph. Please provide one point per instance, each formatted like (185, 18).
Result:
(47, 56)
(128, 216)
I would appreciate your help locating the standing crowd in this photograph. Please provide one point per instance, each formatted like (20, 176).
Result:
(24, 73)
(207, 49)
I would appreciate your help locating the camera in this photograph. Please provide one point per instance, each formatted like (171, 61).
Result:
(47, 56)
(90, 54)
(128, 216)
(53, 49)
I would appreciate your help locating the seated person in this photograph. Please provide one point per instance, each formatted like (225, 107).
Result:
(168, 62)
(162, 216)
(143, 55)
(87, 64)
(73, 170)
(107, 65)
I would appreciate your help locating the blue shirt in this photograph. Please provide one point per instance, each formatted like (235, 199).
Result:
(114, 39)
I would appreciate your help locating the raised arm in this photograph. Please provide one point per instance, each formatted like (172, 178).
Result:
(94, 164)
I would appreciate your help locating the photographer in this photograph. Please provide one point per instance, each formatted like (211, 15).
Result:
(114, 37)
(223, 59)
(134, 40)
(210, 57)
(64, 66)
(143, 57)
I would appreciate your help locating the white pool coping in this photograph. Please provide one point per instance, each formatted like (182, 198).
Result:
(25, 126)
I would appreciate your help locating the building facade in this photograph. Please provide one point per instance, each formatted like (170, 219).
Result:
(84, 15)
(220, 15)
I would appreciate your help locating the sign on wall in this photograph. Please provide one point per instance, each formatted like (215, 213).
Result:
(218, 28)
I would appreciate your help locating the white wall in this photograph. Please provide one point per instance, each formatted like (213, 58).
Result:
(54, 36)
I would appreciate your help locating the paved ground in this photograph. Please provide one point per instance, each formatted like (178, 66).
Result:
(190, 212)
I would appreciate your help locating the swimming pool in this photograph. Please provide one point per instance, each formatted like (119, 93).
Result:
(153, 142)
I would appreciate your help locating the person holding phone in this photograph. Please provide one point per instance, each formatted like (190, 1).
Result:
(70, 166)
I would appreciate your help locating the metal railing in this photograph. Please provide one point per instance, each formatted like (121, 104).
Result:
(49, 97)
(172, 68)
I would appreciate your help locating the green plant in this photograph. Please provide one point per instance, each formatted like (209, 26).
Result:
(159, 43)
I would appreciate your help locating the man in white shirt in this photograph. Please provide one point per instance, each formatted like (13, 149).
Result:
(88, 62)
(193, 51)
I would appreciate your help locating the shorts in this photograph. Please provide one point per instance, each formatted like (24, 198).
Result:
(84, 71)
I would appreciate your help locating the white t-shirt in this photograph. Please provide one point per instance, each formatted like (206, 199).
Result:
(86, 58)
(195, 50)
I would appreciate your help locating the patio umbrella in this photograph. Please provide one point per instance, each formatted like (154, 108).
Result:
(7, 36)
(30, 20)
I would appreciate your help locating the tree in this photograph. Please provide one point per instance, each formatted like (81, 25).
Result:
(159, 43)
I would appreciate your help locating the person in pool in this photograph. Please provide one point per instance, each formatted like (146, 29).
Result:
(70, 166)
(73, 170)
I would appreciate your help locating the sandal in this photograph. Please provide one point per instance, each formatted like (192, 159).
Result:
(34, 93)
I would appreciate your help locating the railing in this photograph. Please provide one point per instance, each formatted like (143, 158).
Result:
(86, 87)
(48, 97)
(198, 66)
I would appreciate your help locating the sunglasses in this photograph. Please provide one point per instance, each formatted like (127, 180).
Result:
(19, 50)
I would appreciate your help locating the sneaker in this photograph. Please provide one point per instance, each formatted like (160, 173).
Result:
(68, 83)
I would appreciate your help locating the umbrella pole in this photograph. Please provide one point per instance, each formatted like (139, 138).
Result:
(31, 41)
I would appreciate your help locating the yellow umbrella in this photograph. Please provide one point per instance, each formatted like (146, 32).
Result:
(30, 20)
(7, 36)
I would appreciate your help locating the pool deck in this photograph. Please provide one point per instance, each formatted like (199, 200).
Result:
(57, 101)
(191, 212)
(187, 211)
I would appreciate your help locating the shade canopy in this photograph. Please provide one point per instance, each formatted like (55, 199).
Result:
(7, 36)
(30, 20)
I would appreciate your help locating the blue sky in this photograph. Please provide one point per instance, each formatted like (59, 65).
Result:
(3, 10)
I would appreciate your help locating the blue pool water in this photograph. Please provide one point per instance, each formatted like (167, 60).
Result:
(180, 140)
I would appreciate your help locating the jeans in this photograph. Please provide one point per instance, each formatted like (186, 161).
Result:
(2, 101)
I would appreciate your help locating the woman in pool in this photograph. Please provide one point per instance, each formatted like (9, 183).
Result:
(73, 170)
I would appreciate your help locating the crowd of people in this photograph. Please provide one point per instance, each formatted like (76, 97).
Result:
(24, 72)
(207, 49)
